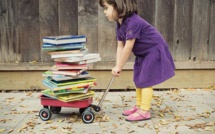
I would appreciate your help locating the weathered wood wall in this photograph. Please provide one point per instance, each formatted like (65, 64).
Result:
(187, 25)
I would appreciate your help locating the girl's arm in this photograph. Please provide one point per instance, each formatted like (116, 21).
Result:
(120, 45)
(123, 57)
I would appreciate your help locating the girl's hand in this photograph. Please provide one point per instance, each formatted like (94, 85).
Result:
(116, 70)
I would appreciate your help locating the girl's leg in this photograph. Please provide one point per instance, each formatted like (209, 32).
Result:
(138, 103)
(146, 99)
(143, 113)
(138, 97)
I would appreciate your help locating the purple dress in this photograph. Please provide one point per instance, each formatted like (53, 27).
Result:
(153, 62)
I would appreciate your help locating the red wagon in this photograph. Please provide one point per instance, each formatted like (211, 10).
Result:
(85, 106)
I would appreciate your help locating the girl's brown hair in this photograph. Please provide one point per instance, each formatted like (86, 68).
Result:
(124, 8)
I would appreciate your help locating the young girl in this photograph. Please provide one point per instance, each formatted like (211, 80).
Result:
(153, 61)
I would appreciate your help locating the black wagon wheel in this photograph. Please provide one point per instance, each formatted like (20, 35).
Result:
(81, 110)
(45, 114)
(87, 116)
(55, 110)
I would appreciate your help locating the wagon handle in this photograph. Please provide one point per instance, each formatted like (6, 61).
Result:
(105, 93)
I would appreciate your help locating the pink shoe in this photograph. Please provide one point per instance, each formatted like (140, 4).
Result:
(141, 116)
(130, 111)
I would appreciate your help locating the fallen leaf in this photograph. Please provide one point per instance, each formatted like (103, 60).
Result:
(142, 126)
(106, 118)
(67, 127)
(60, 121)
(2, 130)
(121, 118)
(116, 106)
(163, 122)
(43, 129)
(132, 131)
(12, 98)
(115, 126)
(19, 130)
(161, 115)
(189, 119)
(14, 109)
(10, 131)
(29, 94)
(208, 128)
(53, 127)
(156, 128)
(205, 126)
(3, 120)
(24, 126)
(210, 124)
(23, 106)
(65, 131)
(49, 122)
(178, 118)
(127, 127)
(22, 99)
(126, 105)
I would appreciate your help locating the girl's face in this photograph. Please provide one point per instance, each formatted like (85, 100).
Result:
(110, 12)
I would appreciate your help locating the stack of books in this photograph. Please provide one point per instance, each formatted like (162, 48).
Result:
(68, 80)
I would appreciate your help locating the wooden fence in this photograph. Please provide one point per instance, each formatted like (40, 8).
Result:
(187, 25)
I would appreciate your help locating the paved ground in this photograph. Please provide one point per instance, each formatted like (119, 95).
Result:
(173, 112)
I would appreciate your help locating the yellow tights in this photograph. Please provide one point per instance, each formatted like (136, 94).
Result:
(144, 98)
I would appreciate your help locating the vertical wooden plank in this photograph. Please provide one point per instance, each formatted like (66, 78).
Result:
(200, 30)
(9, 47)
(49, 22)
(164, 20)
(68, 17)
(211, 48)
(106, 37)
(146, 9)
(29, 30)
(3, 30)
(88, 23)
(183, 30)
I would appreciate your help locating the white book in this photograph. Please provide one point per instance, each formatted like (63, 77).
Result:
(89, 61)
(86, 57)
(80, 54)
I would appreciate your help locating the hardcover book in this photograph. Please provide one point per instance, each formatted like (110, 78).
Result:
(68, 91)
(71, 82)
(54, 94)
(78, 85)
(56, 40)
(74, 97)
(49, 94)
(50, 74)
(87, 58)
(64, 77)
(76, 46)
(70, 53)
(74, 72)
(66, 66)
(65, 51)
